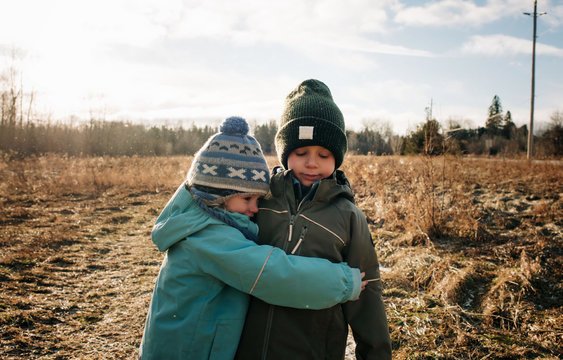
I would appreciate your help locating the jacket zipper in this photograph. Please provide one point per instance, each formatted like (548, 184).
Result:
(267, 332)
(292, 222)
(301, 237)
(286, 246)
(271, 309)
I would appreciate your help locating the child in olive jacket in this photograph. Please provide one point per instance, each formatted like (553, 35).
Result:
(201, 294)
(310, 211)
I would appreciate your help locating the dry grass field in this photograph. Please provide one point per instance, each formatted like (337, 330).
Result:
(471, 253)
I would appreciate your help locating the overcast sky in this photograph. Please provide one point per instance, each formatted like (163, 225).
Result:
(385, 61)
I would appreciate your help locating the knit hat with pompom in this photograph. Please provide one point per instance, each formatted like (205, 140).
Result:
(231, 162)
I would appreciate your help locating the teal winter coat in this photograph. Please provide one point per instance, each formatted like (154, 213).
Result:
(201, 297)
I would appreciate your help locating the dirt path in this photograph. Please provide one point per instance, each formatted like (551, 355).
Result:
(88, 293)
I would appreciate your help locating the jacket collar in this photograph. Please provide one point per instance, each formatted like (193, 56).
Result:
(326, 190)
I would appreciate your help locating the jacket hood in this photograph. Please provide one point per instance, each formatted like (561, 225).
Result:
(182, 217)
(336, 185)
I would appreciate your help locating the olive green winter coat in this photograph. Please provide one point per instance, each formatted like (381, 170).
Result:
(325, 224)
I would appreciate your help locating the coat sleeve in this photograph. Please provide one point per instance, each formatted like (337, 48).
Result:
(366, 316)
(268, 273)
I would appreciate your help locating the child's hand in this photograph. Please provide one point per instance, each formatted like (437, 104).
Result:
(364, 284)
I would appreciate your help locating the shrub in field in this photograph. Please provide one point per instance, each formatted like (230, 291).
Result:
(421, 196)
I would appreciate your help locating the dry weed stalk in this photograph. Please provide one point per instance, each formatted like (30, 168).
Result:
(422, 197)
(504, 306)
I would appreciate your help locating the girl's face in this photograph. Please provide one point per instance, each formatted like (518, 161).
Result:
(244, 204)
(311, 164)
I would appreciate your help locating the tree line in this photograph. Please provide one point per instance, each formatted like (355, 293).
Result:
(107, 138)
(22, 134)
(499, 136)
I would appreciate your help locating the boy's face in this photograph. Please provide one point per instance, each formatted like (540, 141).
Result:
(244, 204)
(311, 164)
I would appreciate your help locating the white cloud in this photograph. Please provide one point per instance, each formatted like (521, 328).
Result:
(447, 12)
(369, 46)
(39, 25)
(503, 45)
(459, 12)
(73, 34)
(209, 58)
(554, 16)
(283, 22)
(351, 25)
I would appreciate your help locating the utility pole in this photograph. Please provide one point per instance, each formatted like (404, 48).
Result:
(531, 130)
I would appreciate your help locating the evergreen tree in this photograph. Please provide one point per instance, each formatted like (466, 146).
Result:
(265, 134)
(494, 121)
(508, 127)
(426, 139)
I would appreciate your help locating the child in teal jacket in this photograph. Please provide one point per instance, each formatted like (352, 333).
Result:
(201, 297)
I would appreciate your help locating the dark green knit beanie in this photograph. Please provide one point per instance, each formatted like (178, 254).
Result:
(311, 117)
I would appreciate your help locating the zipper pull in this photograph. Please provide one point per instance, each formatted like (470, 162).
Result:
(301, 237)
(291, 222)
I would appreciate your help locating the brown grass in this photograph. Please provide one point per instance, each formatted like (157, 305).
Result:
(471, 253)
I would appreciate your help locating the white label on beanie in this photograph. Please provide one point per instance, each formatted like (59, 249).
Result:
(306, 132)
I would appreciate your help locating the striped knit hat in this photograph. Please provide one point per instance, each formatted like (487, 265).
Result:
(229, 163)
